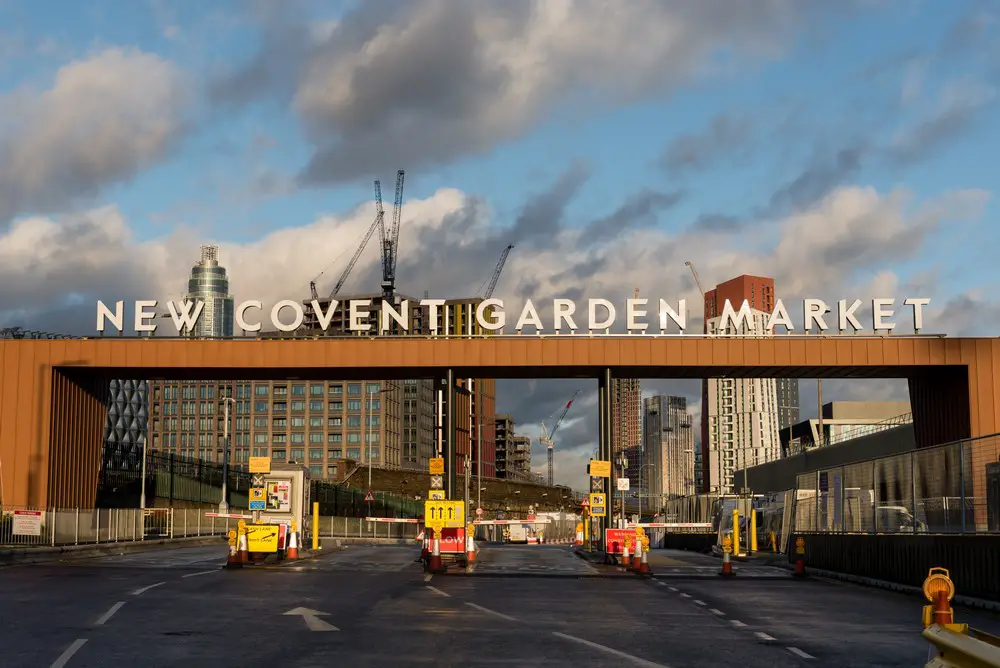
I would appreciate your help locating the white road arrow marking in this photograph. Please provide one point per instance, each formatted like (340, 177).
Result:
(312, 619)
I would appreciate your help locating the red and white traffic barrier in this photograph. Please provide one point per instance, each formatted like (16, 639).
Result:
(507, 522)
(670, 525)
(392, 520)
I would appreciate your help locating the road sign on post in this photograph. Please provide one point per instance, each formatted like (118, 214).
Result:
(369, 497)
(437, 482)
(436, 466)
(598, 505)
(258, 498)
(444, 514)
(599, 469)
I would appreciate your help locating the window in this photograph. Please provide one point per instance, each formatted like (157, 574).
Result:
(315, 438)
(353, 404)
(260, 423)
(372, 439)
(336, 406)
(298, 454)
(353, 420)
(316, 455)
(316, 406)
(298, 405)
(279, 439)
(298, 438)
(372, 453)
(335, 422)
(354, 438)
(260, 390)
(334, 438)
(372, 420)
(354, 389)
(373, 388)
(337, 389)
(298, 390)
(335, 454)
(260, 438)
(278, 454)
(279, 407)
(316, 390)
(354, 453)
(315, 422)
(316, 471)
(376, 404)
(260, 407)
(280, 391)
(279, 422)
(331, 471)
(298, 421)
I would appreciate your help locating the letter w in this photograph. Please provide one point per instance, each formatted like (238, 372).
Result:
(742, 321)
(186, 319)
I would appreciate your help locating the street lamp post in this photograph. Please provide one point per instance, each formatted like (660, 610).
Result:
(224, 504)
(623, 460)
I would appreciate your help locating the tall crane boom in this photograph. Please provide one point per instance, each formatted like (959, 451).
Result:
(390, 243)
(547, 436)
(694, 272)
(376, 224)
(497, 272)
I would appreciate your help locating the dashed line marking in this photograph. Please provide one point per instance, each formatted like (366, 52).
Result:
(143, 590)
(438, 591)
(716, 611)
(798, 652)
(110, 613)
(699, 602)
(194, 575)
(685, 595)
(762, 635)
(69, 652)
(662, 584)
(737, 623)
(610, 650)
(427, 578)
(673, 589)
(490, 612)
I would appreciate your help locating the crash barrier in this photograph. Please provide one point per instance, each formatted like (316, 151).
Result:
(904, 559)
(953, 645)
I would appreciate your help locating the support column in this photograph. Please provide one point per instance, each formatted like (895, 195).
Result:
(450, 435)
(604, 443)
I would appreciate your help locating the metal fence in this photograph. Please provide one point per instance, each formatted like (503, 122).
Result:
(941, 489)
(25, 526)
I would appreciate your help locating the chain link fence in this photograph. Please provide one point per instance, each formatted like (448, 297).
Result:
(950, 488)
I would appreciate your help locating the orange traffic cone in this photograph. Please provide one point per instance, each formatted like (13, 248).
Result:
(435, 565)
(727, 566)
(470, 550)
(293, 544)
(644, 564)
(626, 560)
(636, 559)
(800, 567)
(942, 609)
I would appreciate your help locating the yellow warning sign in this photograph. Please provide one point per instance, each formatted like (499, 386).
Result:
(436, 466)
(258, 494)
(435, 495)
(262, 538)
(260, 465)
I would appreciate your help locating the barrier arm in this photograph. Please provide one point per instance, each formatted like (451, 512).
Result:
(976, 649)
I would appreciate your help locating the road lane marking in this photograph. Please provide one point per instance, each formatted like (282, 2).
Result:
(610, 650)
(107, 615)
(194, 575)
(673, 589)
(762, 635)
(737, 623)
(69, 652)
(490, 612)
(427, 578)
(438, 591)
(685, 595)
(799, 652)
(716, 611)
(147, 588)
(699, 602)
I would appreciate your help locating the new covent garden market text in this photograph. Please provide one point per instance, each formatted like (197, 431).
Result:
(288, 315)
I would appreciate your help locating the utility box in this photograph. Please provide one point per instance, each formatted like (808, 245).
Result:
(286, 495)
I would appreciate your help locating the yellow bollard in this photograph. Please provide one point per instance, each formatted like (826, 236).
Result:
(315, 526)
(753, 530)
(736, 531)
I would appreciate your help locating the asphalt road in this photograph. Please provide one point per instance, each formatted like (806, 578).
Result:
(178, 608)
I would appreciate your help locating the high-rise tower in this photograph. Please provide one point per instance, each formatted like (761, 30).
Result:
(210, 285)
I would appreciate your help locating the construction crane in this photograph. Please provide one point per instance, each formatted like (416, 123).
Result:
(390, 243)
(376, 224)
(545, 438)
(694, 272)
(496, 272)
(22, 333)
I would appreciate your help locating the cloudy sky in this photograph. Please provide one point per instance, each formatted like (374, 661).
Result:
(846, 149)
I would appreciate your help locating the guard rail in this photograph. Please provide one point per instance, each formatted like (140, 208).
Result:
(967, 648)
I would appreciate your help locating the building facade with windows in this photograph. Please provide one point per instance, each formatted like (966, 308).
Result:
(668, 438)
(626, 428)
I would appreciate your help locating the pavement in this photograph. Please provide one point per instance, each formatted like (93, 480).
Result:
(373, 607)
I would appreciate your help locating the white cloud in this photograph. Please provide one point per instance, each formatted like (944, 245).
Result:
(102, 120)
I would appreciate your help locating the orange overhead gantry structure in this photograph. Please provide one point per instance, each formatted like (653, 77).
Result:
(53, 393)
